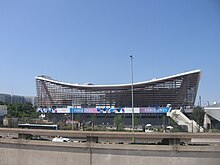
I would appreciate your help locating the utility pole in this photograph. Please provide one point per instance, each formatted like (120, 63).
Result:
(132, 93)
(72, 114)
(200, 106)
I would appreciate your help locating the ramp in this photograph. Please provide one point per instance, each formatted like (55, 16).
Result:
(181, 119)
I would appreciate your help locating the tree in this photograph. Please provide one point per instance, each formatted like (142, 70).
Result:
(136, 120)
(93, 119)
(22, 110)
(198, 115)
(118, 122)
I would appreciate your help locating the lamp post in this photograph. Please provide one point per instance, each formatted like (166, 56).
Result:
(72, 114)
(200, 104)
(132, 94)
(72, 119)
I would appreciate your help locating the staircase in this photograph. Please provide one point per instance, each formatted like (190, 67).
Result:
(181, 119)
(48, 93)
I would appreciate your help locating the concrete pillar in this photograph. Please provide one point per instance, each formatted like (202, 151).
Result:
(92, 139)
(24, 136)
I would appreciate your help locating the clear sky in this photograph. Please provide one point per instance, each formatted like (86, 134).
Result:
(80, 41)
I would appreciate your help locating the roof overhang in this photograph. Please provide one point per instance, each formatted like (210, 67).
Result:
(153, 81)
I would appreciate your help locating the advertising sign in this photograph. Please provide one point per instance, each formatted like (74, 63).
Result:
(61, 110)
(154, 110)
(104, 110)
(129, 110)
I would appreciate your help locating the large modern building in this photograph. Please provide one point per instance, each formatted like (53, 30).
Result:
(178, 90)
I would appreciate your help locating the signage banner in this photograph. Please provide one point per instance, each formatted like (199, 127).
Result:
(104, 110)
(154, 110)
(129, 110)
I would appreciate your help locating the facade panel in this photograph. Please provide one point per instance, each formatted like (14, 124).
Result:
(178, 90)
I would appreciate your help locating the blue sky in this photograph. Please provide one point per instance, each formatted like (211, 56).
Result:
(82, 41)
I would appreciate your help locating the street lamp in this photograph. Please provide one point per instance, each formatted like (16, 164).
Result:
(72, 114)
(200, 104)
(132, 93)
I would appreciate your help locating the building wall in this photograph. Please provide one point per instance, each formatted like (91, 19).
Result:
(7, 98)
(179, 91)
(213, 112)
(3, 110)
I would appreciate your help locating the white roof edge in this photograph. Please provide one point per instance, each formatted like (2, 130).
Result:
(211, 108)
(118, 85)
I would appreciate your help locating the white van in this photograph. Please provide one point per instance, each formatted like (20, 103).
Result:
(60, 139)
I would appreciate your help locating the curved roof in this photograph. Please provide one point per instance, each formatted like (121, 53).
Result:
(47, 79)
(213, 111)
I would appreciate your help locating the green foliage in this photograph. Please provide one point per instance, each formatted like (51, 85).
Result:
(22, 110)
(136, 120)
(198, 115)
(93, 118)
(176, 127)
(118, 122)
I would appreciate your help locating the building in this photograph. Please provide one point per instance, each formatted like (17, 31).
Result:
(10, 99)
(30, 99)
(151, 96)
(7, 98)
(212, 116)
(3, 112)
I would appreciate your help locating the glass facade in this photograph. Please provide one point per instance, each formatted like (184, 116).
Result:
(178, 90)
